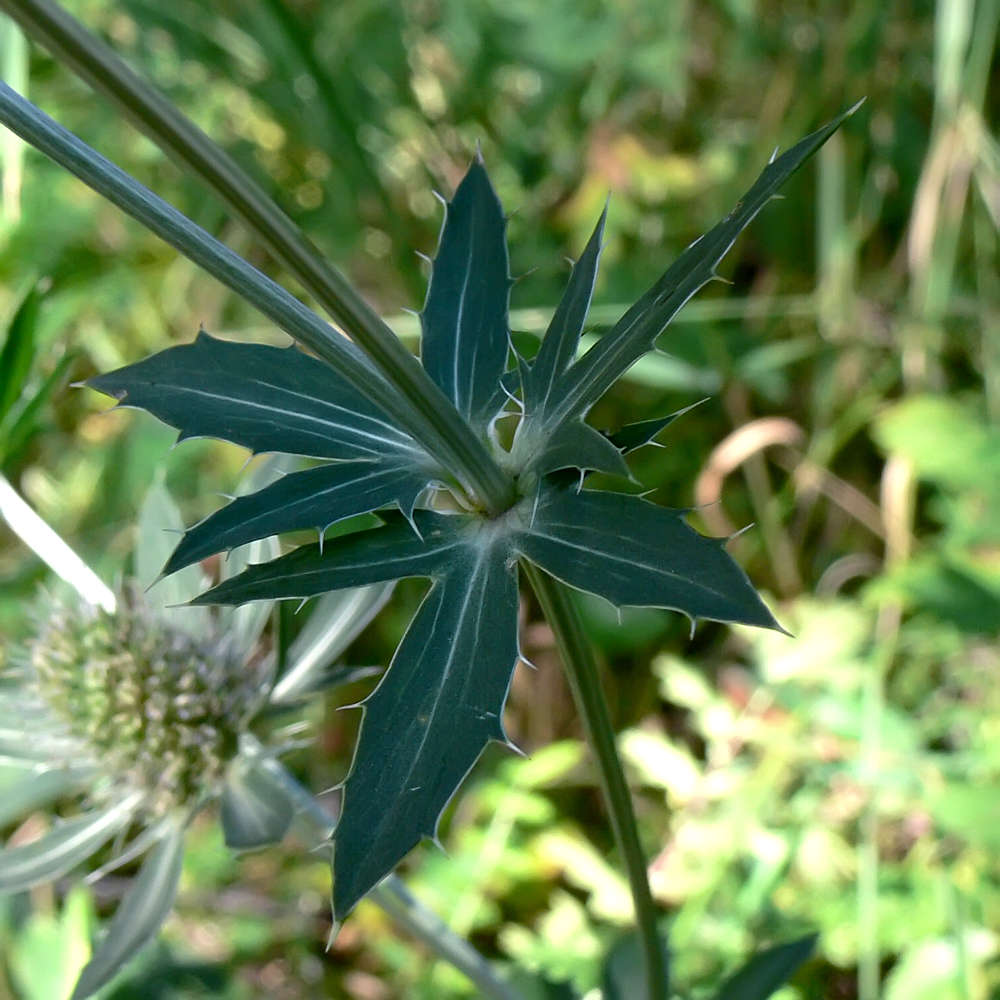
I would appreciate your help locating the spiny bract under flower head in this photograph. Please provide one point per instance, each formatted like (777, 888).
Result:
(155, 710)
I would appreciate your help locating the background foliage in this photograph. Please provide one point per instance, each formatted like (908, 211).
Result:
(846, 780)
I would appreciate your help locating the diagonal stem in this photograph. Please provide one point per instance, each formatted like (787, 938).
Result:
(35, 127)
(581, 671)
(455, 443)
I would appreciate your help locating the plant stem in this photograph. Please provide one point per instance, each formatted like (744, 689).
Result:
(274, 301)
(581, 671)
(392, 896)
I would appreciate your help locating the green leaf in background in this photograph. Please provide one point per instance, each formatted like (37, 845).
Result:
(767, 972)
(631, 552)
(47, 955)
(624, 975)
(441, 701)
(465, 336)
(18, 352)
(140, 914)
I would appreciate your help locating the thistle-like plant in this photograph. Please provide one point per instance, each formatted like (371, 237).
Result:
(418, 443)
(442, 699)
(142, 715)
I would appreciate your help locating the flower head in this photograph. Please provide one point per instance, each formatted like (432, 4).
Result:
(144, 715)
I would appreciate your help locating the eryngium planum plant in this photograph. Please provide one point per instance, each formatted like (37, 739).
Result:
(418, 443)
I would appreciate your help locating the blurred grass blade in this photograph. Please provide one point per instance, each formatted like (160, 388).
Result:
(21, 422)
(313, 499)
(465, 335)
(62, 849)
(263, 398)
(390, 552)
(13, 69)
(18, 352)
(767, 972)
(634, 334)
(562, 338)
(140, 914)
(336, 621)
(633, 553)
(438, 705)
(256, 809)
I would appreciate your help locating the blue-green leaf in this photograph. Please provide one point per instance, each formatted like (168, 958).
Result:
(767, 972)
(632, 552)
(438, 705)
(634, 334)
(575, 445)
(62, 849)
(633, 436)
(389, 552)
(140, 914)
(562, 338)
(264, 398)
(255, 808)
(314, 498)
(465, 333)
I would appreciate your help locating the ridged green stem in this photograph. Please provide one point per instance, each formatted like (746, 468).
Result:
(581, 671)
(392, 896)
(440, 428)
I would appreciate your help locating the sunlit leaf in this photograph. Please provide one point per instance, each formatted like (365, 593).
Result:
(390, 552)
(465, 336)
(438, 705)
(310, 499)
(632, 552)
(140, 914)
(264, 398)
(255, 808)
